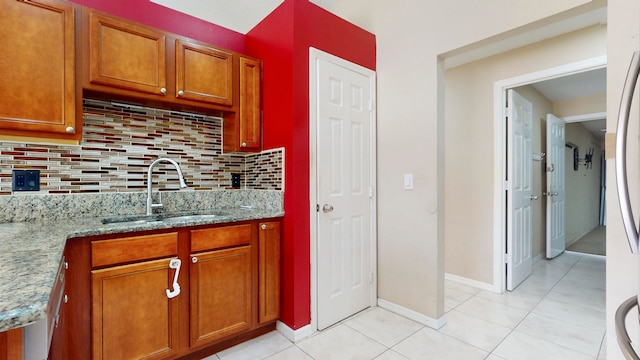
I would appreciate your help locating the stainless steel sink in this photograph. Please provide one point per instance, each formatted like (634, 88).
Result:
(191, 217)
(167, 217)
(134, 219)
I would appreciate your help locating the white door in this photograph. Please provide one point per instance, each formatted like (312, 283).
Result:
(555, 186)
(344, 171)
(520, 122)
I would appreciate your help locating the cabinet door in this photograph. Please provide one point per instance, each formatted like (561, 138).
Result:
(58, 349)
(269, 271)
(37, 68)
(249, 107)
(132, 317)
(220, 294)
(203, 73)
(11, 345)
(126, 55)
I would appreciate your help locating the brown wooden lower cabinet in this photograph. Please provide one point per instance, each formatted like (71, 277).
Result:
(120, 308)
(132, 316)
(220, 294)
(11, 345)
(269, 271)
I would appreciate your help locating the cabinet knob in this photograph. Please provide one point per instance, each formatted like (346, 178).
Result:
(244, 144)
(163, 90)
(66, 298)
(263, 227)
(194, 259)
(180, 92)
(70, 129)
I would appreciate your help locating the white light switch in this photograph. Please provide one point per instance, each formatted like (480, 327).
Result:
(408, 181)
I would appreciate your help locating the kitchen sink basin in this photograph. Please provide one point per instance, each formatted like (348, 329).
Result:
(168, 217)
(191, 217)
(134, 219)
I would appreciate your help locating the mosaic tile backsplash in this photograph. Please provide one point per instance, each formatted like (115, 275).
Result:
(120, 142)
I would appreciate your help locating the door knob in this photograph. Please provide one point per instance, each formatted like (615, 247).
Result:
(327, 208)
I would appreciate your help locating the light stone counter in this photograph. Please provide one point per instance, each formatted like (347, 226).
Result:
(31, 251)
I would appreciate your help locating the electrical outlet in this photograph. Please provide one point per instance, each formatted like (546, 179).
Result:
(235, 181)
(25, 180)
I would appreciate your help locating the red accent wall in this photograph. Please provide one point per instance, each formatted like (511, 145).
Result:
(151, 14)
(282, 41)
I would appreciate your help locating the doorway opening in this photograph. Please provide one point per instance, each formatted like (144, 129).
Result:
(583, 199)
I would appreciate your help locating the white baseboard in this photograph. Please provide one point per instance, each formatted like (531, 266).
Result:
(294, 335)
(470, 282)
(413, 315)
(538, 258)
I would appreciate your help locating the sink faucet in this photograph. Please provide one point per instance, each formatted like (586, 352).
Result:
(150, 204)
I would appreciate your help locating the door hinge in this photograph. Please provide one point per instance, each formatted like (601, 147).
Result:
(370, 277)
(317, 207)
(507, 185)
(370, 105)
(507, 259)
(370, 191)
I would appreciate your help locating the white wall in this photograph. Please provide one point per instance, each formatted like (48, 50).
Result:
(412, 39)
(582, 199)
(411, 118)
(469, 175)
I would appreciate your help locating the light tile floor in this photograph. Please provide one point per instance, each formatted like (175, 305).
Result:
(557, 313)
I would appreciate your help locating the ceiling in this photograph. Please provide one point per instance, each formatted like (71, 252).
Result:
(584, 84)
(237, 15)
(243, 15)
(588, 83)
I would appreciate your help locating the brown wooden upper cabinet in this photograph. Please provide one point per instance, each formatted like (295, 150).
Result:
(37, 69)
(204, 73)
(130, 60)
(242, 131)
(127, 56)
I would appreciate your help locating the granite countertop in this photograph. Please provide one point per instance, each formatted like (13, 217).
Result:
(31, 251)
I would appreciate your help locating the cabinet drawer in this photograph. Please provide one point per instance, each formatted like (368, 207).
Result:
(134, 248)
(215, 238)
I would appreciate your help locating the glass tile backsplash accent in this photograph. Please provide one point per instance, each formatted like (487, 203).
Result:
(120, 142)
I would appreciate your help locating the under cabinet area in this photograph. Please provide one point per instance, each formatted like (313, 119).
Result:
(175, 293)
(37, 70)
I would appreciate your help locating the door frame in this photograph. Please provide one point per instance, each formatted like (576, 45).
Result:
(500, 150)
(315, 54)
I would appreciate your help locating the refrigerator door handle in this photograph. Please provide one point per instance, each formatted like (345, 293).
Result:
(624, 341)
(621, 156)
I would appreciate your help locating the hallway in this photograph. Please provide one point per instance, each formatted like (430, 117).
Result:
(557, 313)
(595, 242)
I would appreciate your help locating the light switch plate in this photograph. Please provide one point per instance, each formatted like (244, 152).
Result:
(408, 181)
